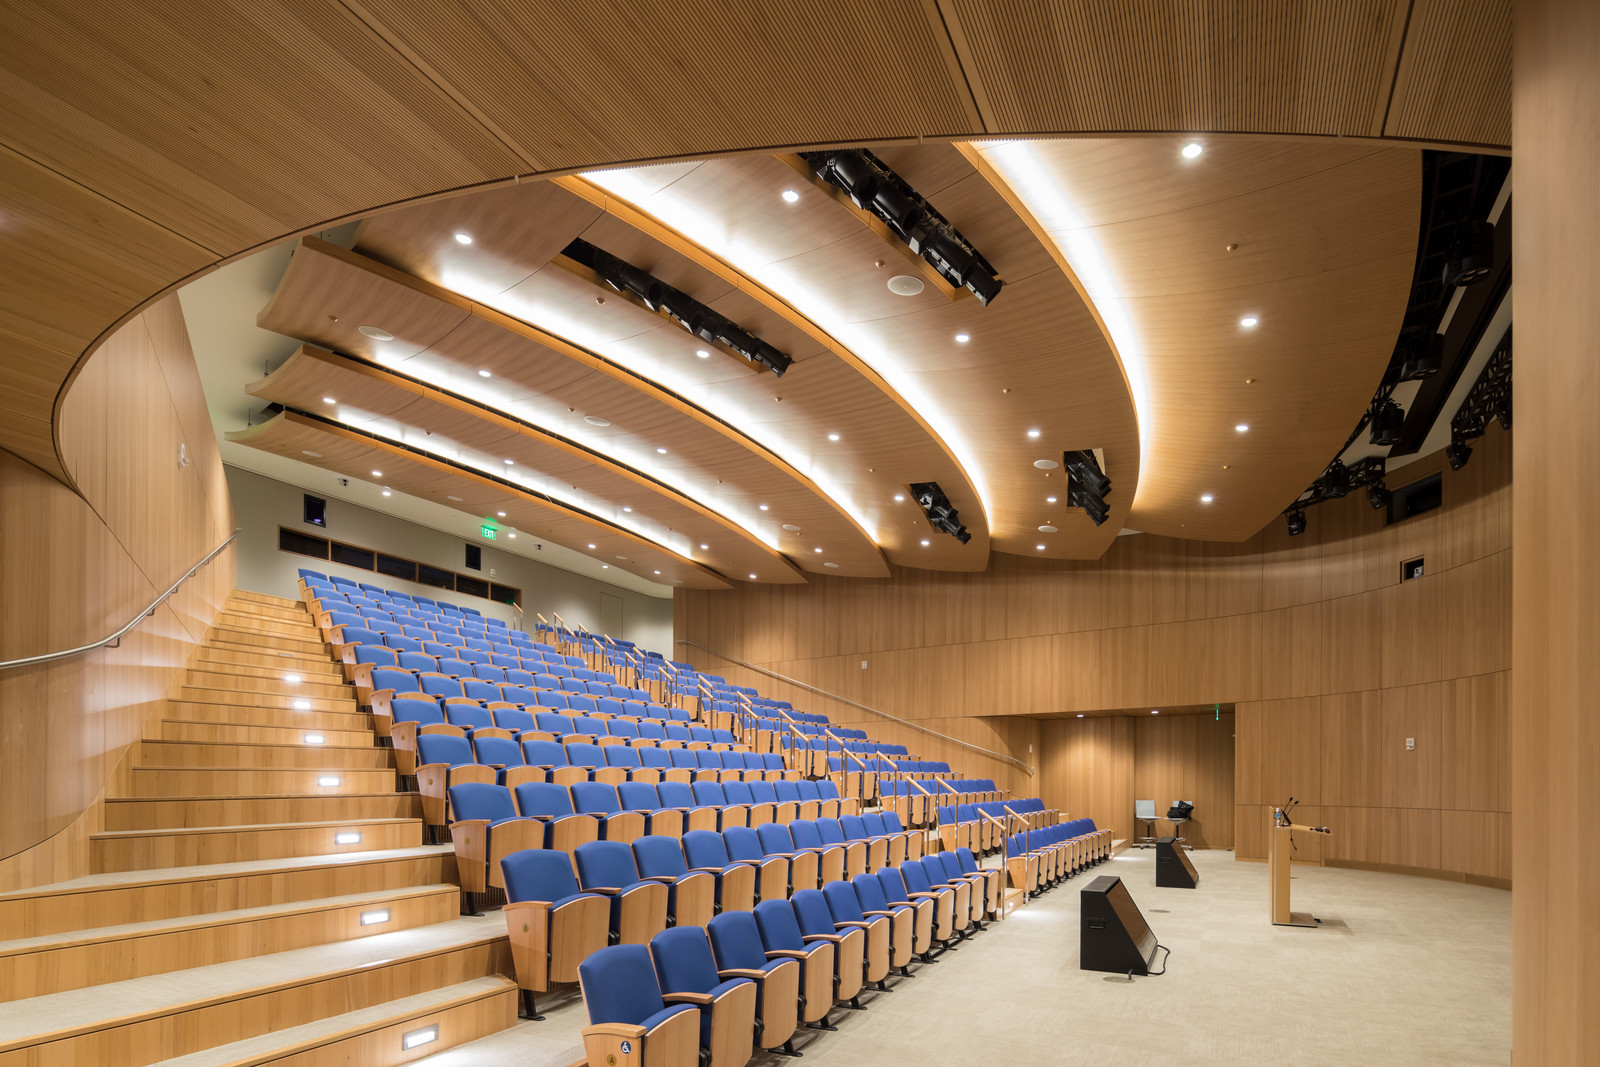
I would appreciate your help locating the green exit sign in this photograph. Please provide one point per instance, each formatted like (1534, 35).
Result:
(489, 532)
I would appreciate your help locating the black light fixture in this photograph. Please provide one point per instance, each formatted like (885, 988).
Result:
(1384, 426)
(1423, 353)
(1458, 452)
(941, 515)
(1296, 520)
(1378, 496)
(1471, 254)
(873, 186)
(688, 312)
(1087, 484)
(1336, 480)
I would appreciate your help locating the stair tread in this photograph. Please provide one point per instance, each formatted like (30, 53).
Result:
(58, 1014)
(280, 1042)
(94, 934)
(302, 746)
(230, 828)
(124, 879)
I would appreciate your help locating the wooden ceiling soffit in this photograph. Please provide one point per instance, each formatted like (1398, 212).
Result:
(342, 450)
(323, 277)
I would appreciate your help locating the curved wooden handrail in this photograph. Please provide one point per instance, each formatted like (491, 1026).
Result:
(873, 711)
(135, 621)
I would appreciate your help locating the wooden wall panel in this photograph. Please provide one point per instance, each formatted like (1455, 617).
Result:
(75, 568)
(1086, 769)
(1329, 662)
(1188, 757)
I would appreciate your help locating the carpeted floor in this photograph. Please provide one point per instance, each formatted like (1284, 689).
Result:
(1404, 970)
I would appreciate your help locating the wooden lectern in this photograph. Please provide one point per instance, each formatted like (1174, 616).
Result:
(1278, 848)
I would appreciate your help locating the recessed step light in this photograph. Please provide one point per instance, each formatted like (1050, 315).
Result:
(350, 837)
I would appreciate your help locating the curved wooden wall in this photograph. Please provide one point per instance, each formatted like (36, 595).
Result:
(1331, 663)
(74, 568)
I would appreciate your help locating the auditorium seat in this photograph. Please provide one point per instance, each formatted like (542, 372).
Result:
(705, 851)
(660, 820)
(772, 872)
(737, 949)
(918, 887)
(842, 909)
(819, 981)
(638, 907)
(688, 973)
(485, 828)
(565, 827)
(622, 996)
(600, 800)
(444, 761)
(691, 895)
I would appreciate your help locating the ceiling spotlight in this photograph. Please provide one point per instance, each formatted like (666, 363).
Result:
(962, 338)
(1049, 500)
(1458, 452)
(386, 492)
(702, 546)
(763, 507)
(702, 353)
(1033, 433)
(752, 577)
(329, 400)
(501, 514)
(925, 543)
(1243, 427)
(1249, 321)
(591, 546)
(377, 333)
(463, 238)
(484, 374)
(627, 509)
(1422, 356)
(512, 535)
(1296, 521)
(898, 497)
(509, 461)
(1385, 422)
(833, 437)
(816, 550)
(655, 572)
(1205, 498)
(605, 566)
(1155, 711)
(661, 451)
(1471, 254)
(1378, 496)
(1039, 547)
(1080, 714)
(1192, 150)
(377, 474)
(790, 196)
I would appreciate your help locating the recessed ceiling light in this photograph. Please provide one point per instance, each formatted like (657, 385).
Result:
(1046, 464)
(1155, 711)
(501, 514)
(308, 452)
(1080, 714)
(833, 437)
(386, 492)
(463, 238)
(835, 566)
(605, 566)
(1039, 547)
(329, 400)
(791, 527)
(661, 451)
(1205, 498)
(484, 374)
(1033, 433)
(924, 543)
(1243, 427)
(1049, 500)
(817, 550)
(591, 546)
(377, 333)
(377, 474)
(453, 497)
(962, 338)
(702, 353)
(512, 535)
(752, 577)
(510, 461)
(905, 285)
(655, 572)
(899, 497)
(1192, 149)
(763, 507)
(627, 509)
(623, 558)
(301, 705)
(292, 678)
(596, 420)
(1248, 321)
(790, 196)
(1047, 529)
(702, 546)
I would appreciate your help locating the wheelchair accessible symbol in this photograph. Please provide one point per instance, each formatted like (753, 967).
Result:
(626, 1048)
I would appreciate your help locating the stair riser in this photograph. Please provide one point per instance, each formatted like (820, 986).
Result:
(229, 782)
(186, 850)
(250, 757)
(304, 627)
(35, 916)
(267, 680)
(308, 644)
(38, 973)
(321, 655)
(236, 715)
(152, 1040)
(157, 813)
(260, 735)
(283, 610)
(381, 1048)
(217, 658)
(250, 596)
(246, 699)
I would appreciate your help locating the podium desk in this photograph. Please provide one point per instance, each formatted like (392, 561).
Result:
(1279, 849)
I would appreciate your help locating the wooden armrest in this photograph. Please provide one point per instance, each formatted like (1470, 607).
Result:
(664, 879)
(853, 924)
(604, 890)
(616, 1030)
(923, 896)
(741, 972)
(687, 998)
(822, 937)
(706, 870)
(885, 914)
(787, 954)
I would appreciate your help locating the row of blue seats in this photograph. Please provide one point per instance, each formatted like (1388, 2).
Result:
(340, 583)
(379, 690)
(712, 995)
(347, 639)
(412, 715)
(1040, 859)
(692, 748)
(364, 659)
(965, 824)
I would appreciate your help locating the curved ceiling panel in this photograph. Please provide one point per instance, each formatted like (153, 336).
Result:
(1034, 360)
(1312, 245)
(386, 404)
(446, 341)
(356, 454)
(829, 415)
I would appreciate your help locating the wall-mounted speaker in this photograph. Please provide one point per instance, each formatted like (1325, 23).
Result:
(1173, 869)
(1113, 935)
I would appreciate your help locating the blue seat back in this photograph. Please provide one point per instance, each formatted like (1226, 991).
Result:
(479, 800)
(684, 961)
(619, 984)
(497, 750)
(545, 800)
(544, 754)
(705, 848)
(638, 796)
(736, 942)
(443, 748)
(657, 855)
(595, 798)
(843, 903)
(606, 863)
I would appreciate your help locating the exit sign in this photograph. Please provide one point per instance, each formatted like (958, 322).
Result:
(488, 532)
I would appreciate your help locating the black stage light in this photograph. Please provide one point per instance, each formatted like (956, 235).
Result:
(1387, 419)
(858, 177)
(1336, 480)
(1092, 505)
(897, 209)
(941, 515)
(984, 286)
(1471, 254)
(1297, 522)
(1378, 496)
(1458, 452)
(1423, 355)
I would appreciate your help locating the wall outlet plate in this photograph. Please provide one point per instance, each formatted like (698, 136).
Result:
(1411, 744)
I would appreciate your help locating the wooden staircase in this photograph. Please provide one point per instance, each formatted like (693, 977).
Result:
(260, 892)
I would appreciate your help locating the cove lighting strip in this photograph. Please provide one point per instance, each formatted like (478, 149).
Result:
(1051, 203)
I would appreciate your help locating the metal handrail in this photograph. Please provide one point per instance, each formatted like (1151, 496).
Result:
(116, 638)
(846, 700)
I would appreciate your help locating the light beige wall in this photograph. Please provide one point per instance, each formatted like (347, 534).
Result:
(74, 568)
(265, 504)
(1330, 661)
